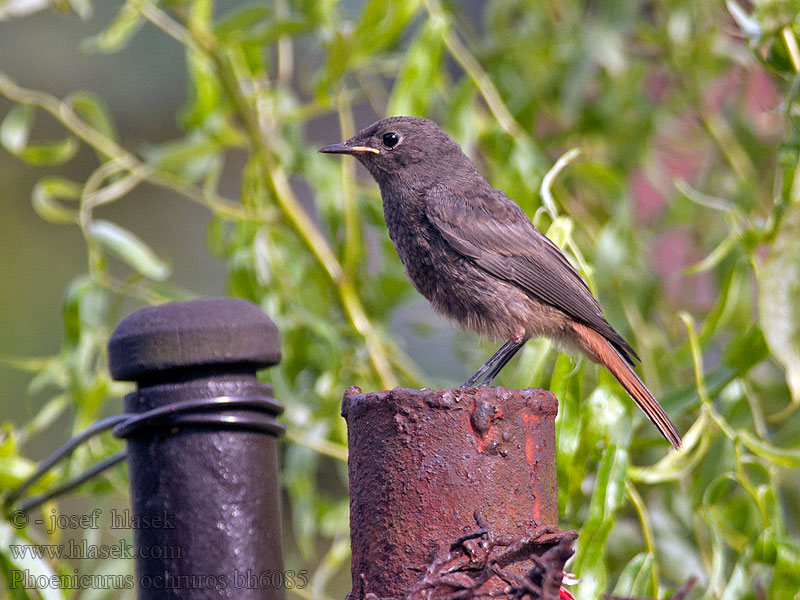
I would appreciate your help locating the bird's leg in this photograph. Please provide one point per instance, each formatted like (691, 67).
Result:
(492, 367)
(507, 356)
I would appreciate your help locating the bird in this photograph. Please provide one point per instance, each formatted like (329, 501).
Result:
(475, 255)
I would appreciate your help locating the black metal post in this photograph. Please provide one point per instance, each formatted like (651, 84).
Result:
(203, 458)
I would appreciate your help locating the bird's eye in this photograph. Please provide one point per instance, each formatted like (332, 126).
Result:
(390, 139)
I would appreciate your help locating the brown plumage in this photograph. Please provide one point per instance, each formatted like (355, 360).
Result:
(475, 255)
(602, 351)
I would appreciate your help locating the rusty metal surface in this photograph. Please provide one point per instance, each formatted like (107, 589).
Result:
(426, 464)
(475, 565)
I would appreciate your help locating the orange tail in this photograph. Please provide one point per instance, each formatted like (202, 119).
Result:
(601, 350)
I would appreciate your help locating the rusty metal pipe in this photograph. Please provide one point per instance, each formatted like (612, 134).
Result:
(428, 466)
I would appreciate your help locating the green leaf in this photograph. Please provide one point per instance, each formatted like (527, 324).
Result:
(94, 110)
(779, 298)
(734, 301)
(50, 153)
(8, 440)
(420, 71)
(234, 26)
(205, 95)
(739, 584)
(565, 385)
(568, 419)
(560, 231)
(634, 581)
(527, 159)
(744, 353)
(9, 572)
(190, 157)
(787, 572)
(606, 416)
(338, 52)
(242, 278)
(607, 498)
(46, 194)
(128, 248)
(15, 134)
(381, 23)
(16, 128)
(117, 35)
(84, 308)
(36, 567)
(258, 24)
(46, 416)
(14, 469)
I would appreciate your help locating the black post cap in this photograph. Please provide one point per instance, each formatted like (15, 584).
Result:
(184, 335)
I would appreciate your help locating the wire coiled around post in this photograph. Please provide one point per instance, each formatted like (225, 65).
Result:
(252, 413)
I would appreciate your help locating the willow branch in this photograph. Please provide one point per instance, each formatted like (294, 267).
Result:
(62, 111)
(287, 200)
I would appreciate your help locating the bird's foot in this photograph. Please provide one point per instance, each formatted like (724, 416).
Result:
(472, 381)
(478, 382)
(484, 376)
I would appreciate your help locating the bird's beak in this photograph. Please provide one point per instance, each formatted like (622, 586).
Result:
(345, 148)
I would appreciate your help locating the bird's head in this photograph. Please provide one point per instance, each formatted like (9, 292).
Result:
(412, 148)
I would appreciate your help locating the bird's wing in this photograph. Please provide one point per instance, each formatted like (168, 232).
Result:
(499, 238)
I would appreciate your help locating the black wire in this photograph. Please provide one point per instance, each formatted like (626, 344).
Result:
(186, 412)
(258, 414)
(109, 462)
(65, 450)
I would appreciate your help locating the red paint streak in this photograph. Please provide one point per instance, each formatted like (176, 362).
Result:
(529, 421)
(482, 443)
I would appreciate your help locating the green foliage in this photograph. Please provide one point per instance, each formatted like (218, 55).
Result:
(686, 117)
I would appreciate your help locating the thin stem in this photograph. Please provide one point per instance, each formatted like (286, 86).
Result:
(285, 49)
(132, 290)
(647, 531)
(699, 378)
(93, 194)
(169, 25)
(748, 487)
(647, 340)
(475, 72)
(545, 189)
(326, 447)
(722, 134)
(353, 241)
